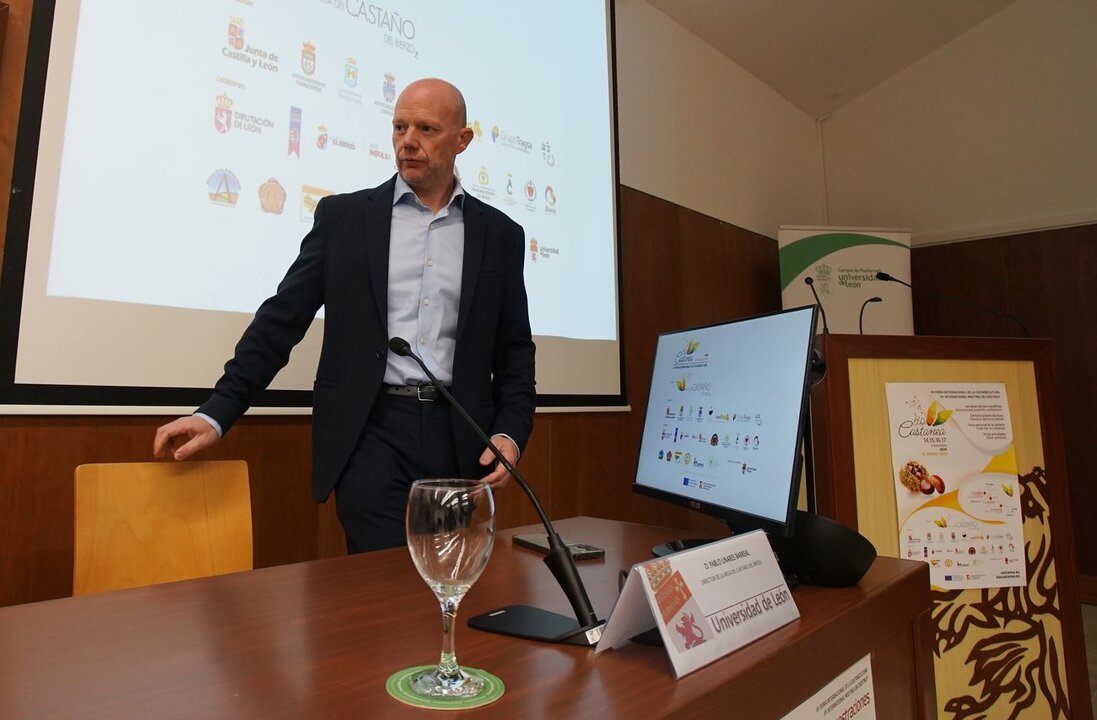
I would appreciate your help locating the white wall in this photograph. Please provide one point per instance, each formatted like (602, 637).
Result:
(994, 133)
(698, 130)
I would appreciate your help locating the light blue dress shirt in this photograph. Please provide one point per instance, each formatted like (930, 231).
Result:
(426, 254)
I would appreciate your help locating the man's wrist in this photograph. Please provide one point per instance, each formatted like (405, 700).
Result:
(213, 423)
(517, 450)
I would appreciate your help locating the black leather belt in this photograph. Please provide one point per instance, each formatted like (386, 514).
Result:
(422, 393)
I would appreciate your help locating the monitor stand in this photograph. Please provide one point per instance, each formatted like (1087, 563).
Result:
(820, 552)
(673, 546)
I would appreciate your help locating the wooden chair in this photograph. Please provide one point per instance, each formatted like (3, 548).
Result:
(147, 523)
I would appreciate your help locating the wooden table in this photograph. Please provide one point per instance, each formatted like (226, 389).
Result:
(318, 639)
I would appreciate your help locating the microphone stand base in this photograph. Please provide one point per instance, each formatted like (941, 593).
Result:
(535, 624)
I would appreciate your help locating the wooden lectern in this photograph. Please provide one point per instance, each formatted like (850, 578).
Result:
(996, 648)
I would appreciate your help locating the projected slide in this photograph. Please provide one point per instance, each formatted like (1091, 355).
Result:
(184, 148)
(204, 149)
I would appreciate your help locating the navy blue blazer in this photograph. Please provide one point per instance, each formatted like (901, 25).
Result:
(343, 266)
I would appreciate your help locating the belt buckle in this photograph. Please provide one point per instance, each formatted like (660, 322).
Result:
(419, 393)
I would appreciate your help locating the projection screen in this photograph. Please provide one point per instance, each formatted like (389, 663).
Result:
(170, 156)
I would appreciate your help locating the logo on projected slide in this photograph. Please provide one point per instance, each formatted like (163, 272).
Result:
(376, 151)
(550, 200)
(237, 49)
(538, 249)
(388, 87)
(294, 131)
(272, 197)
(310, 198)
(324, 139)
(350, 73)
(388, 94)
(477, 131)
(308, 58)
(222, 114)
(508, 198)
(350, 80)
(494, 133)
(531, 191)
(308, 67)
(546, 153)
(225, 118)
(481, 186)
(236, 33)
(223, 188)
(515, 142)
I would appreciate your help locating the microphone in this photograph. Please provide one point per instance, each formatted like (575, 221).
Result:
(810, 282)
(880, 275)
(519, 620)
(861, 319)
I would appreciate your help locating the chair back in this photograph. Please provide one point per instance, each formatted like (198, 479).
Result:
(155, 522)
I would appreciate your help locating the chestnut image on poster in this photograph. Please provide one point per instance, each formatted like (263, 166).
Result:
(915, 477)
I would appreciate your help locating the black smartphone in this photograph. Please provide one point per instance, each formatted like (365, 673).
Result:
(579, 551)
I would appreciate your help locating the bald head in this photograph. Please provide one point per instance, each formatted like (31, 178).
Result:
(441, 94)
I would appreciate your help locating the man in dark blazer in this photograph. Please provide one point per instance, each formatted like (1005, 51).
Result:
(376, 428)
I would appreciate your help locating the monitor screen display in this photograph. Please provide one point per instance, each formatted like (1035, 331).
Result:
(723, 426)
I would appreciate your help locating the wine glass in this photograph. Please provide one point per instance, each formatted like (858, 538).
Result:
(451, 530)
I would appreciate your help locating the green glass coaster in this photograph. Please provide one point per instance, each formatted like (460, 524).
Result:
(399, 686)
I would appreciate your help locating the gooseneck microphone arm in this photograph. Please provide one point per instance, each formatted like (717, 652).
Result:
(880, 275)
(861, 318)
(516, 620)
(810, 282)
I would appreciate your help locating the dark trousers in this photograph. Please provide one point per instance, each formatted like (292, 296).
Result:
(404, 440)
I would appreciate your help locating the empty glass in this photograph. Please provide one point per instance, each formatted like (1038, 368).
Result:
(451, 530)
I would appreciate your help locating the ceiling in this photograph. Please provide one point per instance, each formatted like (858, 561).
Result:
(821, 54)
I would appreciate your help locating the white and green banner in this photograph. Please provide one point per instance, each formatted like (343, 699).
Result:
(842, 264)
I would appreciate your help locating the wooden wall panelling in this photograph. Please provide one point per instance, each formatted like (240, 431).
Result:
(1047, 279)
(4, 13)
(536, 464)
(39, 454)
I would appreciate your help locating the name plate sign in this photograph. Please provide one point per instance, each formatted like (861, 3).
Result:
(706, 602)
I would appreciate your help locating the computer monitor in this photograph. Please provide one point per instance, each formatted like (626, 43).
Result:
(725, 419)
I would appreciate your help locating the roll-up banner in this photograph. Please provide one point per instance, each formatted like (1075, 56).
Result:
(842, 263)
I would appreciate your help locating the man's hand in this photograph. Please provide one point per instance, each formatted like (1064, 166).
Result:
(182, 438)
(499, 477)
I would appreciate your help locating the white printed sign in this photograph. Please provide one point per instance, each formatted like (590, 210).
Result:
(706, 602)
(842, 264)
(846, 697)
